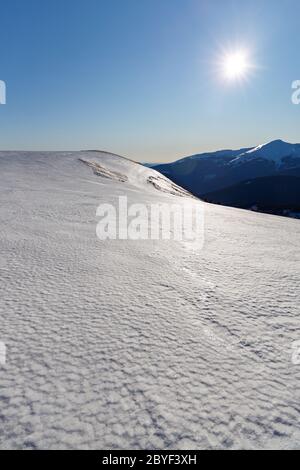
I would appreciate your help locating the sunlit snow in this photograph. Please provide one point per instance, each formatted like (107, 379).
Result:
(146, 344)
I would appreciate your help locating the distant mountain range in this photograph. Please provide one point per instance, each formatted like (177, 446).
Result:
(264, 178)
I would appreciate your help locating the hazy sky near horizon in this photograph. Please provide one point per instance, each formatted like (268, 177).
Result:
(141, 77)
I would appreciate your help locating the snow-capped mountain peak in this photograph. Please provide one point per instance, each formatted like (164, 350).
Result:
(210, 173)
(275, 151)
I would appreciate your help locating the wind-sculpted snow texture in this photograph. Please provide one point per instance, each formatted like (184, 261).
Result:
(145, 344)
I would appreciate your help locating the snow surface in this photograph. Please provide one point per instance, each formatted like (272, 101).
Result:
(156, 345)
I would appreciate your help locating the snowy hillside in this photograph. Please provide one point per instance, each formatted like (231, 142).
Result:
(141, 344)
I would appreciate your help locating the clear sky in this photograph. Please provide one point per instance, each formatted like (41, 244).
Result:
(142, 78)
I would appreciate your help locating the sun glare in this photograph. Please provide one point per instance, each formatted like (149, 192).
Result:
(235, 65)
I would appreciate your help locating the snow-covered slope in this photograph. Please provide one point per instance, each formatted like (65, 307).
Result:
(146, 344)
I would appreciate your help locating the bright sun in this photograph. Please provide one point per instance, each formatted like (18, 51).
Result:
(235, 65)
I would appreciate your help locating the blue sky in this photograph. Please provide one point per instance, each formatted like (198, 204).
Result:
(140, 77)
